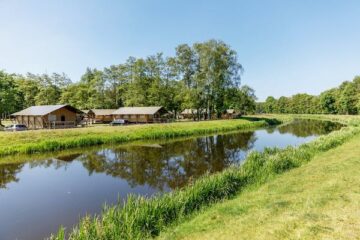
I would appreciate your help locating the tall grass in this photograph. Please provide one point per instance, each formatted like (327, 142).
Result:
(53, 140)
(140, 217)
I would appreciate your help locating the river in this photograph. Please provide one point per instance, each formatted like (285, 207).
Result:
(36, 197)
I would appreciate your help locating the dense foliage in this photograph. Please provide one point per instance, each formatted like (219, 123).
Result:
(342, 100)
(202, 76)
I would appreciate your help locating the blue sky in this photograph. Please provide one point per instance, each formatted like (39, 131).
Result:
(285, 46)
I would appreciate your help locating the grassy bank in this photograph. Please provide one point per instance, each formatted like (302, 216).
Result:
(350, 120)
(320, 200)
(141, 218)
(52, 140)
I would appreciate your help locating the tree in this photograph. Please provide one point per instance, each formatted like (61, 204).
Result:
(218, 70)
(241, 99)
(270, 105)
(348, 99)
(328, 102)
(283, 105)
(28, 89)
(49, 87)
(9, 95)
(94, 81)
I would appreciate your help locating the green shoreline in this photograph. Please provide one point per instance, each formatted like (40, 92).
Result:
(41, 156)
(141, 217)
(31, 142)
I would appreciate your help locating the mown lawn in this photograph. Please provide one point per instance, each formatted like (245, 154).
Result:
(320, 200)
(51, 140)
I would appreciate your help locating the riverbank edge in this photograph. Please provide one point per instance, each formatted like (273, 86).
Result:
(318, 200)
(22, 158)
(159, 131)
(140, 217)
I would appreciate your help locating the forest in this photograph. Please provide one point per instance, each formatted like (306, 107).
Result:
(344, 99)
(202, 76)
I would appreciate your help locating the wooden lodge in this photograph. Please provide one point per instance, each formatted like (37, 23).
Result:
(101, 115)
(142, 114)
(48, 116)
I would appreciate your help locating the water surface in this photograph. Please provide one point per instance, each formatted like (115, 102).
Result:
(36, 197)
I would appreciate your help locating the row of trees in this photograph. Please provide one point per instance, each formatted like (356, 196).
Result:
(342, 100)
(202, 76)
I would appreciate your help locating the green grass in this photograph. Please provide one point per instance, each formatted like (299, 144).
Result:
(319, 200)
(350, 120)
(140, 217)
(52, 140)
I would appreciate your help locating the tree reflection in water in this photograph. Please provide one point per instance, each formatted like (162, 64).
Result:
(169, 165)
(8, 173)
(172, 164)
(305, 128)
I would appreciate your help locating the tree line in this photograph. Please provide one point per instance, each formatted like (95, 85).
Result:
(344, 99)
(204, 76)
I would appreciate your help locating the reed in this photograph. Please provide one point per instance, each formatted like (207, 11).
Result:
(140, 217)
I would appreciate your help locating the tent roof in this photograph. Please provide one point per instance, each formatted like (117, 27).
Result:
(43, 110)
(103, 111)
(138, 110)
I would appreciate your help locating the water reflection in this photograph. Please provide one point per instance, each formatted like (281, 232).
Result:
(305, 128)
(8, 173)
(78, 182)
(168, 164)
(172, 164)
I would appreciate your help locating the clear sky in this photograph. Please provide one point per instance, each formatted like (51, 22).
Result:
(285, 47)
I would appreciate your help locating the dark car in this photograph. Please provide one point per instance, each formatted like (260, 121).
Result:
(15, 128)
(117, 122)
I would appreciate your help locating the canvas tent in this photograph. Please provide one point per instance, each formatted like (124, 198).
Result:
(102, 115)
(48, 116)
(142, 114)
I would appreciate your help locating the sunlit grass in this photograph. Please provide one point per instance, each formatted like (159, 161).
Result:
(317, 201)
(351, 120)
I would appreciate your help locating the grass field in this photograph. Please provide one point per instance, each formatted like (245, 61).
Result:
(320, 200)
(52, 140)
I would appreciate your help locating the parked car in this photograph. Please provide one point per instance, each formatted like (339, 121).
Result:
(15, 128)
(118, 122)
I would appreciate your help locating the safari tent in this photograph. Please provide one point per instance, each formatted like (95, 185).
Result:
(142, 114)
(48, 116)
(102, 115)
